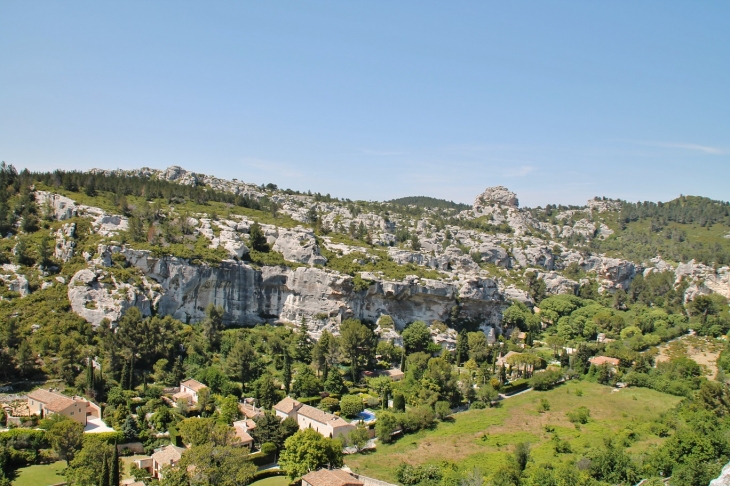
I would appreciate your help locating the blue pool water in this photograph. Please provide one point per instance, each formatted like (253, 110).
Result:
(366, 416)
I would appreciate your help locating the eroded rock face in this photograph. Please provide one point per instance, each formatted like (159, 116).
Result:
(249, 296)
(62, 207)
(299, 245)
(534, 256)
(95, 300)
(498, 195)
(15, 281)
(65, 244)
(703, 279)
(557, 284)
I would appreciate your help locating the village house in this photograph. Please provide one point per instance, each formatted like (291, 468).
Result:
(600, 360)
(248, 408)
(242, 428)
(330, 477)
(189, 390)
(502, 360)
(45, 403)
(166, 456)
(307, 417)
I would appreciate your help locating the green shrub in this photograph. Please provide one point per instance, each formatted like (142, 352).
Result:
(580, 415)
(351, 405)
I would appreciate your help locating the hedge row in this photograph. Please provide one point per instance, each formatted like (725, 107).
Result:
(313, 401)
(261, 459)
(515, 386)
(269, 473)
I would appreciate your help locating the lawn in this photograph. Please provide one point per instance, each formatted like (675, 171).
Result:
(484, 438)
(40, 475)
(272, 481)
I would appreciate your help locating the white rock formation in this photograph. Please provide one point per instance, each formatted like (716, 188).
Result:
(65, 244)
(298, 245)
(95, 300)
(557, 284)
(15, 281)
(250, 296)
(724, 478)
(62, 207)
(498, 195)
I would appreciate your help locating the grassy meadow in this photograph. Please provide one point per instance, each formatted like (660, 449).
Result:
(484, 438)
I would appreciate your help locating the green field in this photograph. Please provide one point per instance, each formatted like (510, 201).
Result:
(40, 475)
(484, 438)
(272, 481)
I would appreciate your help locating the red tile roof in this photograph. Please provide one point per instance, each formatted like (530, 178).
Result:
(55, 402)
(599, 360)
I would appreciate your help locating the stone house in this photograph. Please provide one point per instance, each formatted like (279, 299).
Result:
(307, 417)
(45, 403)
(600, 360)
(166, 456)
(189, 390)
(242, 428)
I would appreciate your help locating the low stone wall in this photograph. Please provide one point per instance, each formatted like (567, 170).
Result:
(135, 447)
(371, 481)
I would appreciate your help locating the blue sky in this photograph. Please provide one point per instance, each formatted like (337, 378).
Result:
(559, 101)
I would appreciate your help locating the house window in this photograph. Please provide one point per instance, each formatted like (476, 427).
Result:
(72, 413)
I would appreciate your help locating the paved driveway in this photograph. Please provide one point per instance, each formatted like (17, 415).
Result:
(96, 425)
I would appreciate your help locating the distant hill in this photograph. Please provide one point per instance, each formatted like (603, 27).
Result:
(429, 202)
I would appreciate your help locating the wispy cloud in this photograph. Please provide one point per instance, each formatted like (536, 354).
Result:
(688, 146)
(380, 153)
(519, 171)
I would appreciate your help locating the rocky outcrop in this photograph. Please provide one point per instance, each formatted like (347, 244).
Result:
(298, 245)
(15, 281)
(61, 207)
(249, 296)
(65, 244)
(557, 284)
(96, 296)
(499, 195)
(603, 205)
(534, 256)
(490, 253)
(703, 279)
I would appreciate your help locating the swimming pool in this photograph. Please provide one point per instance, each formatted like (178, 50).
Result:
(366, 416)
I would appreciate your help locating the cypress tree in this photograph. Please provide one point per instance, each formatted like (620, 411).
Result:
(124, 379)
(114, 467)
(104, 473)
(287, 372)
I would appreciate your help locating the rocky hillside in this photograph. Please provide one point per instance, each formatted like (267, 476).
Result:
(172, 242)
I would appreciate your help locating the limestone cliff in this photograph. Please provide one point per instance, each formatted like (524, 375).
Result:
(249, 295)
